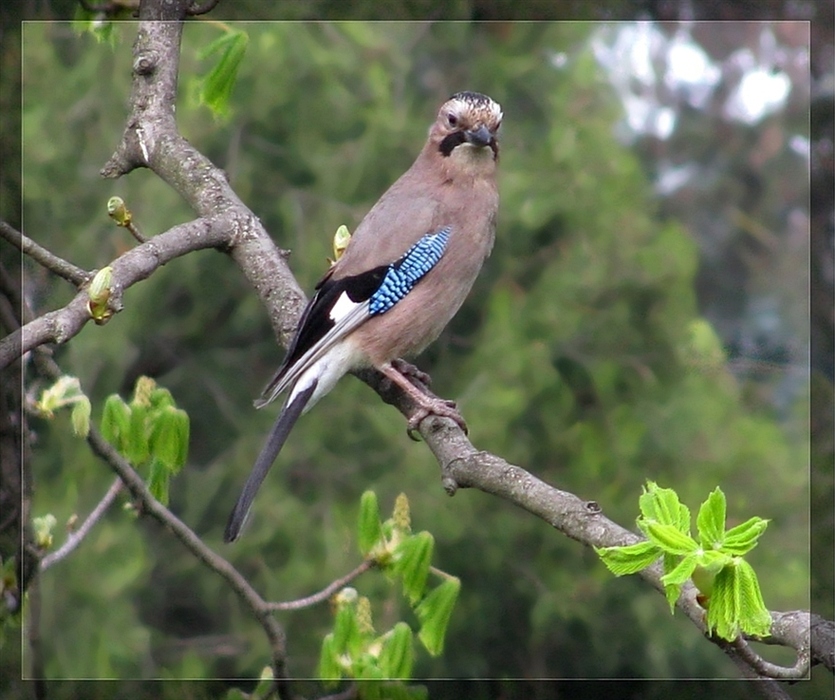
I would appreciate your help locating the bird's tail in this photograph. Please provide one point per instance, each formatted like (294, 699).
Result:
(275, 441)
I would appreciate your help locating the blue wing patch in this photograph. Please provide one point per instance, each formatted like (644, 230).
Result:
(403, 275)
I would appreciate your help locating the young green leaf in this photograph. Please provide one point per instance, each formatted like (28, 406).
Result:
(329, 668)
(80, 416)
(743, 538)
(710, 521)
(663, 506)
(369, 526)
(136, 440)
(160, 398)
(672, 591)
(682, 572)
(217, 85)
(434, 613)
(115, 421)
(345, 630)
(668, 537)
(168, 441)
(754, 617)
(158, 480)
(414, 556)
(629, 559)
(736, 604)
(397, 656)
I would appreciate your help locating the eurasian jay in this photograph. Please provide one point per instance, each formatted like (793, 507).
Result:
(405, 273)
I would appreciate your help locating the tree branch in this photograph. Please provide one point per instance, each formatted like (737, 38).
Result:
(135, 265)
(151, 140)
(326, 592)
(50, 261)
(77, 537)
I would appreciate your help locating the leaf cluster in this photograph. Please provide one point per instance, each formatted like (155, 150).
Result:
(150, 432)
(727, 583)
(354, 649)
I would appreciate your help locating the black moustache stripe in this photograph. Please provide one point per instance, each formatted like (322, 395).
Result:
(456, 138)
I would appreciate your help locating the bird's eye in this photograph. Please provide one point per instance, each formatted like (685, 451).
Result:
(452, 119)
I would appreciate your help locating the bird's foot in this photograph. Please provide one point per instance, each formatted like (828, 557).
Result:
(434, 406)
(411, 372)
(427, 404)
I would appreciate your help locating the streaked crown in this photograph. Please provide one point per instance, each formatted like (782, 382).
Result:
(467, 118)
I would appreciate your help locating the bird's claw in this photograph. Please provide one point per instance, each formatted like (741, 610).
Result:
(435, 407)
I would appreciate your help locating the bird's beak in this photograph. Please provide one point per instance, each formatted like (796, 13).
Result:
(479, 137)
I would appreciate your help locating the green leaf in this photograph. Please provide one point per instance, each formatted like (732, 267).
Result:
(754, 617)
(736, 604)
(169, 437)
(628, 559)
(663, 506)
(329, 668)
(136, 448)
(397, 655)
(434, 613)
(743, 538)
(115, 421)
(682, 572)
(80, 416)
(158, 480)
(345, 630)
(710, 521)
(672, 593)
(414, 554)
(216, 87)
(160, 398)
(369, 526)
(668, 537)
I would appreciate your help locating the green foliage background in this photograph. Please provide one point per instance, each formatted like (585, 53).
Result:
(580, 355)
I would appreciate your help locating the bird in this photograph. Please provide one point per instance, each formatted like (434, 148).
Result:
(406, 271)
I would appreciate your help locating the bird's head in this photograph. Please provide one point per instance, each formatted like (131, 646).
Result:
(467, 120)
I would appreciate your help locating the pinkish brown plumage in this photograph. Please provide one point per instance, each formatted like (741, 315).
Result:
(407, 269)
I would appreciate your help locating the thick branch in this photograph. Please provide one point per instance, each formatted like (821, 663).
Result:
(128, 269)
(151, 140)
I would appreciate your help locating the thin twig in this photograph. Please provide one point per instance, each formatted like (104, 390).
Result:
(213, 561)
(75, 538)
(325, 593)
(129, 268)
(135, 232)
(770, 670)
(49, 260)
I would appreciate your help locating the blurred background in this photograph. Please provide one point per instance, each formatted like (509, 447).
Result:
(645, 315)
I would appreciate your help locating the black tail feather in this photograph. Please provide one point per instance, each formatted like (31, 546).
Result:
(275, 441)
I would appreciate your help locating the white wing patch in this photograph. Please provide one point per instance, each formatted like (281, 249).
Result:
(351, 318)
(342, 307)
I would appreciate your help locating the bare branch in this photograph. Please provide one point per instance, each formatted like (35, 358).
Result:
(76, 538)
(50, 261)
(128, 269)
(150, 506)
(770, 670)
(326, 592)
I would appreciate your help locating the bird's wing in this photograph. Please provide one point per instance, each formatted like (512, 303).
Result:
(341, 305)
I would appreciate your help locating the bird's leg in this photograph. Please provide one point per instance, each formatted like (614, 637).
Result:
(411, 372)
(426, 404)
